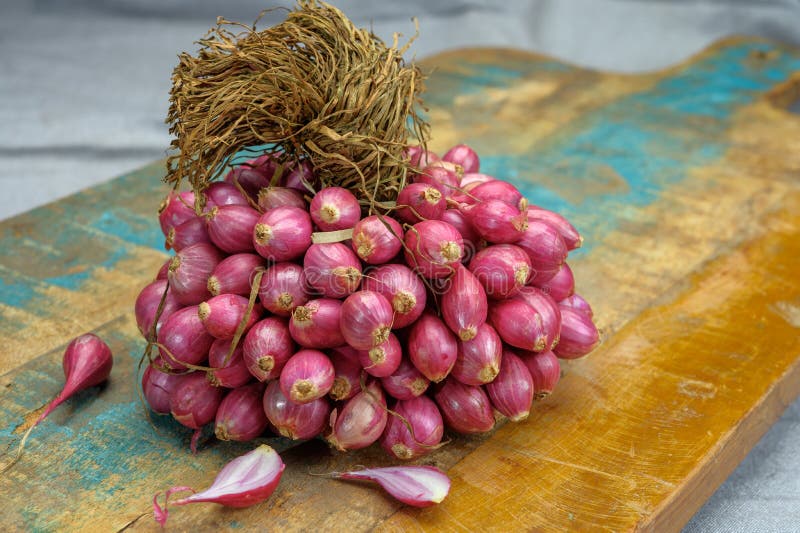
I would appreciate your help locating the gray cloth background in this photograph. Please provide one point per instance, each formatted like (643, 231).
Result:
(83, 94)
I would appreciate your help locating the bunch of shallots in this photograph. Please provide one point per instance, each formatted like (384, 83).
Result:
(303, 314)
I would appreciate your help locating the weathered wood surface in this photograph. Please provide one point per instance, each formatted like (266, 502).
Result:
(685, 185)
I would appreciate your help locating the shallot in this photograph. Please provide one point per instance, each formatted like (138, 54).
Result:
(231, 227)
(432, 347)
(365, 320)
(414, 429)
(418, 486)
(377, 239)
(294, 420)
(361, 420)
(240, 416)
(512, 390)
(335, 208)
(282, 233)
(434, 248)
(306, 376)
(266, 348)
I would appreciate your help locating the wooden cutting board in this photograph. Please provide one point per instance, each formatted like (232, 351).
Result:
(684, 183)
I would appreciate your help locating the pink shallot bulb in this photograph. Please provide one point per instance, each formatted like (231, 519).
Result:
(231, 227)
(463, 156)
(512, 390)
(267, 347)
(417, 433)
(332, 269)
(317, 324)
(283, 288)
(401, 288)
(465, 409)
(420, 201)
(189, 271)
(282, 233)
(377, 239)
(296, 421)
(434, 248)
(361, 420)
(240, 417)
(306, 376)
(335, 208)
(432, 347)
(223, 314)
(464, 305)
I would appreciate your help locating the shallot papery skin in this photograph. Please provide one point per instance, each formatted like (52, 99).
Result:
(496, 221)
(221, 315)
(518, 324)
(245, 481)
(502, 269)
(434, 248)
(240, 416)
(335, 208)
(194, 401)
(545, 248)
(406, 382)
(561, 285)
(420, 201)
(235, 274)
(465, 409)
(402, 288)
(267, 347)
(545, 371)
(464, 305)
(549, 312)
(271, 197)
(317, 324)
(147, 304)
(189, 271)
(414, 428)
(365, 320)
(282, 233)
(512, 390)
(176, 209)
(283, 288)
(478, 360)
(432, 347)
(332, 269)
(183, 339)
(418, 486)
(361, 420)
(377, 239)
(463, 156)
(293, 420)
(231, 227)
(567, 231)
(579, 335)
(306, 376)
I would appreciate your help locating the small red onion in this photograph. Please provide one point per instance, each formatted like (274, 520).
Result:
(407, 382)
(567, 231)
(420, 201)
(317, 324)
(365, 320)
(560, 286)
(578, 303)
(332, 269)
(158, 385)
(245, 481)
(545, 248)
(185, 337)
(293, 420)
(470, 180)
(464, 305)
(267, 347)
(186, 234)
(189, 271)
(548, 310)
(511, 392)
(251, 178)
(455, 218)
(479, 359)
(222, 314)
(502, 269)
(497, 190)
(465, 409)
(240, 416)
(438, 175)
(382, 360)
(347, 373)
(518, 324)
(335, 208)
(162, 272)
(496, 221)
(545, 371)
(420, 158)
(377, 239)
(300, 177)
(361, 420)
(306, 376)
(222, 193)
(463, 156)
(432, 347)
(272, 197)
(234, 274)
(194, 402)
(434, 248)
(282, 233)
(147, 304)
(283, 288)
(232, 374)
(231, 227)
(176, 209)
(418, 432)
(579, 335)
(402, 288)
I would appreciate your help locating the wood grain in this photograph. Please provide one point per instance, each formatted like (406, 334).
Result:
(683, 183)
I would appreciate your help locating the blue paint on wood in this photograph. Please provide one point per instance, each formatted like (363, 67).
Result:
(131, 227)
(14, 292)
